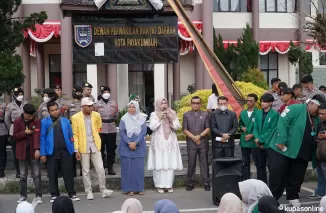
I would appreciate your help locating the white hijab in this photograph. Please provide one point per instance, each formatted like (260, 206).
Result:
(25, 207)
(322, 204)
(132, 205)
(133, 123)
(251, 191)
(230, 203)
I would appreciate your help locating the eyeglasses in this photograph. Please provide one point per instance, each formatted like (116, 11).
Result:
(195, 103)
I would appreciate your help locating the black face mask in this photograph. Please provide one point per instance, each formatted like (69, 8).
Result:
(75, 96)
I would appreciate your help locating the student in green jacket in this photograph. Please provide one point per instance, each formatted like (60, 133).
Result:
(292, 147)
(265, 124)
(246, 125)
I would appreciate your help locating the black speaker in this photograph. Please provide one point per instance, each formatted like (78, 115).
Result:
(227, 173)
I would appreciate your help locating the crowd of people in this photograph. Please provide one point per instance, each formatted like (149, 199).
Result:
(282, 137)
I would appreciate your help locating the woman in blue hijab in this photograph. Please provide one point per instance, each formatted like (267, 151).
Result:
(166, 206)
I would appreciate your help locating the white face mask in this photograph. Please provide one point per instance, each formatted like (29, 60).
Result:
(20, 98)
(223, 108)
(46, 99)
(106, 95)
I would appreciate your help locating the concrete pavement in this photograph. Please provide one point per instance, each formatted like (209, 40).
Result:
(195, 201)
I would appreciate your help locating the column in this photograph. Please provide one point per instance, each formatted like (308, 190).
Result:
(159, 86)
(19, 13)
(302, 23)
(92, 78)
(255, 23)
(207, 17)
(199, 72)
(26, 69)
(123, 86)
(166, 77)
(176, 81)
(40, 65)
(66, 56)
(111, 69)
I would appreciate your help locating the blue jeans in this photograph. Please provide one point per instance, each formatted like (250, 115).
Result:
(320, 190)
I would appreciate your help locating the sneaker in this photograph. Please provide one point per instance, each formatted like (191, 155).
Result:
(38, 200)
(107, 193)
(21, 199)
(75, 198)
(170, 190)
(189, 188)
(295, 203)
(161, 191)
(90, 196)
(52, 199)
(314, 196)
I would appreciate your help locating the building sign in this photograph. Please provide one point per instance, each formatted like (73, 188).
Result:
(129, 40)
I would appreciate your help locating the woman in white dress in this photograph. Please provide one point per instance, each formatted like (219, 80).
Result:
(164, 153)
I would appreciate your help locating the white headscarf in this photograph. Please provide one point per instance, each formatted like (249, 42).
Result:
(25, 207)
(322, 204)
(132, 205)
(251, 191)
(230, 203)
(133, 123)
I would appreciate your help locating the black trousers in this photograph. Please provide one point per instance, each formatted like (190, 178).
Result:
(65, 165)
(109, 144)
(3, 152)
(286, 173)
(13, 147)
(260, 158)
(203, 165)
(268, 204)
(223, 152)
(246, 152)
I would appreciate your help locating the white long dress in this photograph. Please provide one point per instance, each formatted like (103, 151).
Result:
(164, 155)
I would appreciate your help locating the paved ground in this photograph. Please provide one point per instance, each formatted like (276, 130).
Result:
(196, 201)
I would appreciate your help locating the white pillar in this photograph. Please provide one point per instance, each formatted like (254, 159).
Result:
(291, 75)
(92, 78)
(159, 81)
(123, 85)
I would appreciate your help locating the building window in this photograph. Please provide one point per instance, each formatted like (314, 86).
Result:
(306, 7)
(322, 58)
(55, 69)
(276, 6)
(269, 66)
(322, 6)
(232, 6)
(80, 74)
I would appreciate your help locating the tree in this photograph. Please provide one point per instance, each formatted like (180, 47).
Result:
(11, 37)
(297, 55)
(238, 59)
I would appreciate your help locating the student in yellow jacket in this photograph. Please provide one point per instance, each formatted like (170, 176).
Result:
(86, 126)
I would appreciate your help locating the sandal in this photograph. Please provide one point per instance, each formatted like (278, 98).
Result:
(161, 191)
(131, 193)
(141, 193)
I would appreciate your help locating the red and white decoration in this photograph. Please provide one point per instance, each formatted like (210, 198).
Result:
(42, 33)
(186, 43)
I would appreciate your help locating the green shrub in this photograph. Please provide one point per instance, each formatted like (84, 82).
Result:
(256, 77)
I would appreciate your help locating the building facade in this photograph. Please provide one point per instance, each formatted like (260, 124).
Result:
(47, 51)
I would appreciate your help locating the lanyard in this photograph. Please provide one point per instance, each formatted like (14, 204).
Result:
(312, 126)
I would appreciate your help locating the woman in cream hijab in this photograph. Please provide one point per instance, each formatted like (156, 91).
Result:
(230, 203)
(132, 205)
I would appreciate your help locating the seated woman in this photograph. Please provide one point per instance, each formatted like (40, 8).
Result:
(230, 203)
(132, 205)
(166, 206)
(63, 204)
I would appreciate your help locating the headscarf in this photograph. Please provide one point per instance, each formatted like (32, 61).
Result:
(63, 204)
(166, 206)
(322, 204)
(133, 123)
(165, 121)
(25, 207)
(119, 212)
(251, 191)
(230, 203)
(132, 205)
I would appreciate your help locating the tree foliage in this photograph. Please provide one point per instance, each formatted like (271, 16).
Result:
(302, 58)
(237, 59)
(11, 37)
(256, 77)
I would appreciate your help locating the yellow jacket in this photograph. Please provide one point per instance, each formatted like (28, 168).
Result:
(79, 131)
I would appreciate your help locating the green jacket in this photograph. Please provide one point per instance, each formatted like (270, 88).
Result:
(264, 131)
(290, 130)
(249, 123)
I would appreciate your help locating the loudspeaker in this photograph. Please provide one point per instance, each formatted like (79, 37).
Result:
(227, 173)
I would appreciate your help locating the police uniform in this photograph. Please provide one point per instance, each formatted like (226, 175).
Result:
(14, 111)
(88, 85)
(3, 139)
(74, 107)
(62, 101)
(109, 113)
(309, 94)
(277, 103)
(43, 109)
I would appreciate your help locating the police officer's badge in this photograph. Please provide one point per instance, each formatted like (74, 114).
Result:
(83, 35)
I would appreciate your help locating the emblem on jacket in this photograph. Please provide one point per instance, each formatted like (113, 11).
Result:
(83, 35)
(253, 119)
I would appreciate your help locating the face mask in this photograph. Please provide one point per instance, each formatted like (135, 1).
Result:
(223, 108)
(46, 99)
(20, 98)
(106, 95)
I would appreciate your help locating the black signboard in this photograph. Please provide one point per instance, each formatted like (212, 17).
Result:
(125, 40)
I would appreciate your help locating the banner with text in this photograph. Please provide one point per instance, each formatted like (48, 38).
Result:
(134, 40)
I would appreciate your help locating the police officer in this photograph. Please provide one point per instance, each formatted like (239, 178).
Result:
(3, 137)
(58, 90)
(13, 111)
(48, 95)
(109, 112)
(87, 90)
(275, 91)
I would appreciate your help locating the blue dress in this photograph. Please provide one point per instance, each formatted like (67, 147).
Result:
(132, 161)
